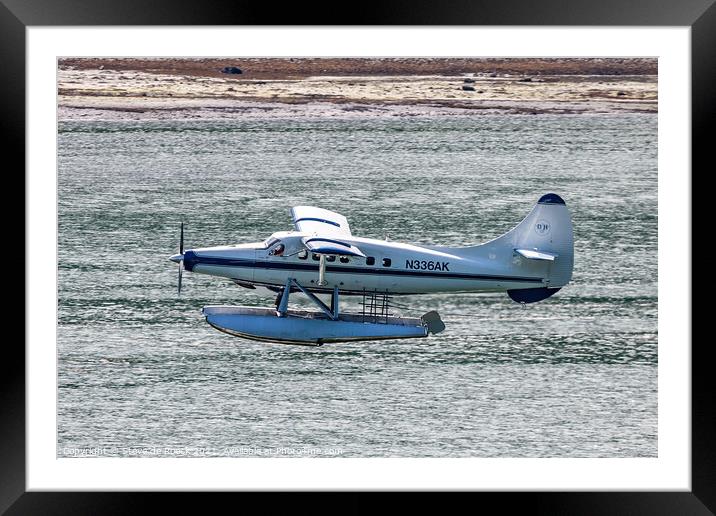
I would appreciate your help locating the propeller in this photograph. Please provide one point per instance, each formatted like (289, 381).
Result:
(181, 252)
(179, 258)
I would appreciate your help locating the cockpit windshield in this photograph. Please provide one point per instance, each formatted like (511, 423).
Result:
(269, 242)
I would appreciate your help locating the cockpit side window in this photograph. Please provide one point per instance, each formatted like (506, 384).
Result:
(277, 249)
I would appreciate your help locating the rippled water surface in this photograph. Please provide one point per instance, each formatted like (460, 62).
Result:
(140, 372)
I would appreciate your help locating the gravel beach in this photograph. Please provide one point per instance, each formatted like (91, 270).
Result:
(198, 88)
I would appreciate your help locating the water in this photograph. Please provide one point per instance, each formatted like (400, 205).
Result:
(142, 374)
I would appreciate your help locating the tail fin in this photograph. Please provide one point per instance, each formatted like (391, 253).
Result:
(541, 245)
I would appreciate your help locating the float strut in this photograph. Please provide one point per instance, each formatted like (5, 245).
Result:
(334, 303)
(283, 305)
(330, 312)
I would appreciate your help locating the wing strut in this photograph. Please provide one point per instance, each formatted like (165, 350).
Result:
(322, 271)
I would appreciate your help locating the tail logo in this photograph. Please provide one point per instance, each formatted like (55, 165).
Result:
(542, 227)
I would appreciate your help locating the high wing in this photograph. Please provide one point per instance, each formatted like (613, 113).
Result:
(324, 245)
(328, 228)
(310, 219)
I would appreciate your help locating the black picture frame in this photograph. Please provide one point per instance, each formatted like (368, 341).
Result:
(699, 15)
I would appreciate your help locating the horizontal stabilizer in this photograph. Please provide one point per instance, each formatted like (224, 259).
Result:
(320, 245)
(533, 254)
(531, 295)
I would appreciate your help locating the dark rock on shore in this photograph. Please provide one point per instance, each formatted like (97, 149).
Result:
(231, 69)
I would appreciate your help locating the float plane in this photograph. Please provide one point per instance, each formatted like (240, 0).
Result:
(321, 256)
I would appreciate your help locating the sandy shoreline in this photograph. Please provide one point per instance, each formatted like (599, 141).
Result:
(197, 88)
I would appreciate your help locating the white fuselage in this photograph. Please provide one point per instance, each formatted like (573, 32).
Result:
(389, 267)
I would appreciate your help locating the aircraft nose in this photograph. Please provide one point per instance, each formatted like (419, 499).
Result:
(177, 258)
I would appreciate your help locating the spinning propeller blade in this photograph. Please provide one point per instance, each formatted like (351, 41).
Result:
(181, 266)
(181, 239)
(181, 253)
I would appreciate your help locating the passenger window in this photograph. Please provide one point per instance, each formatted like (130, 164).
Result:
(330, 258)
(315, 257)
(370, 261)
(344, 259)
(386, 262)
(302, 255)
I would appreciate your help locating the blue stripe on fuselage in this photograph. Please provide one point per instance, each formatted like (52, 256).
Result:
(191, 261)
